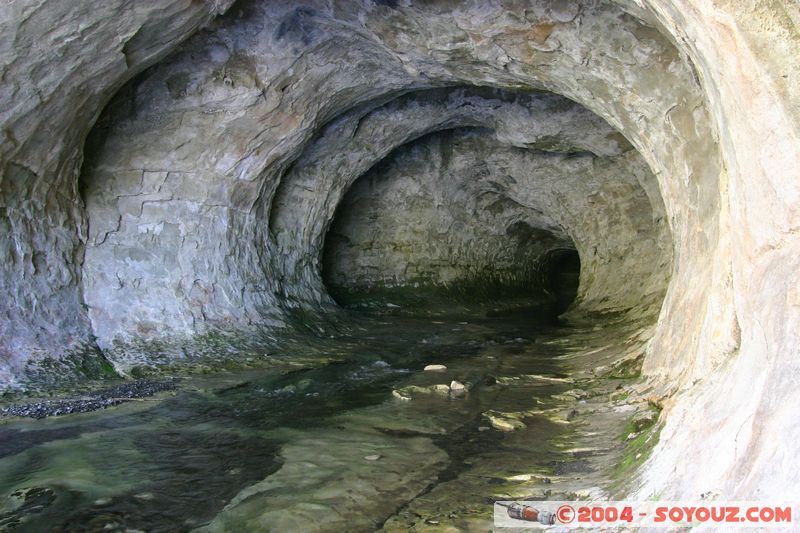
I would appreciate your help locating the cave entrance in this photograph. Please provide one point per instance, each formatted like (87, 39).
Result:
(432, 226)
(563, 278)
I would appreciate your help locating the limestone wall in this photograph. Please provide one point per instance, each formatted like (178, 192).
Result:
(60, 64)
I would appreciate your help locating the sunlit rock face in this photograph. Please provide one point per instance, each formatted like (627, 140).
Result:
(211, 179)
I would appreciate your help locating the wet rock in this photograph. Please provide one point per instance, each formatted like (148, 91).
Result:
(571, 395)
(644, 419)
(414, 390)
(350, 498)
(581, 452)
(457, 388)
(440, 389)
(532, 378)
(504, 423)
(619, 395)
(22, 503)
(435, 368)
(530, 477)
(402, 396)
(373, 457)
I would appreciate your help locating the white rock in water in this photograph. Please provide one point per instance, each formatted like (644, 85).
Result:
(457, 387)
(372, 457)
(435, 368)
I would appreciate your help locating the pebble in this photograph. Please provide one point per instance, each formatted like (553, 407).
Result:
(372, 457)
(92, 402)
(435, 368)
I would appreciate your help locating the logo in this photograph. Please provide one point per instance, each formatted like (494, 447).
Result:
(565, 514)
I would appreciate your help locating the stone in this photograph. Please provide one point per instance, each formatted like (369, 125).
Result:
(571, 395)
(435, 368)
(456, 387)
(408, 392)
(373, 457)
(644, 419)
(401, 396)
(505, 424)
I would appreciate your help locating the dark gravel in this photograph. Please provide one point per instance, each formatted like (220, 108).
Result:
(141, 388)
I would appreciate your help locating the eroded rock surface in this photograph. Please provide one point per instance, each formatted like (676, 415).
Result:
(61, 62)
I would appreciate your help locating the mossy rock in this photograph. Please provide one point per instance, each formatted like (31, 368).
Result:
(627, 368)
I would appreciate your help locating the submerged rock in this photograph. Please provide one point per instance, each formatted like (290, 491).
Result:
(504, 423)
(407, 393)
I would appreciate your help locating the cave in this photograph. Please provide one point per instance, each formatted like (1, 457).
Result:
(394, 262)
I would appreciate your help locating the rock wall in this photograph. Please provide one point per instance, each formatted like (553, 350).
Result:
(60, 64)
(734, 415)
(195, 164)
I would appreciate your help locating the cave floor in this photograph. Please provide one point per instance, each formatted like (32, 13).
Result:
(371, 442)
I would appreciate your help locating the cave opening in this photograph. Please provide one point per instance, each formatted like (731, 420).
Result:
(444, 252)
(564, 278)
(420, 230)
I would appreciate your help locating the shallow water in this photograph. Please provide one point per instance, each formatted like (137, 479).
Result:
(267, 451)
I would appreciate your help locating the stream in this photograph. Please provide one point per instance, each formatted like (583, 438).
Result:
(366, 443)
